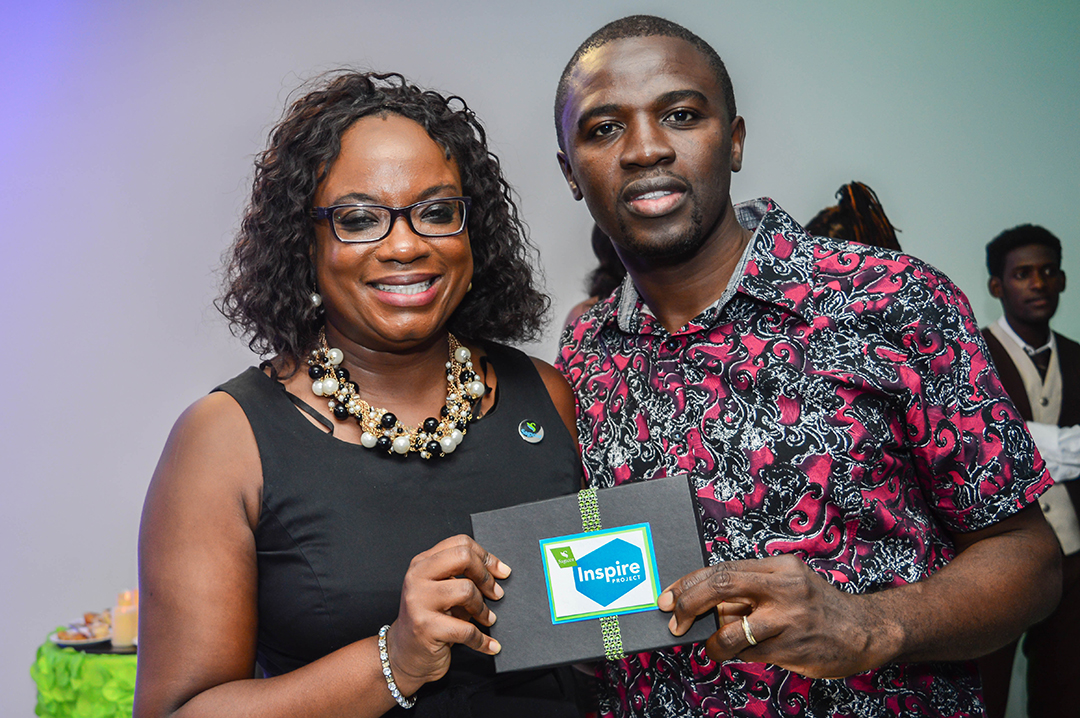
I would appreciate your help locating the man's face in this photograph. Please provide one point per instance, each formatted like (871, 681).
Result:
(1030, 285)
(649, 146)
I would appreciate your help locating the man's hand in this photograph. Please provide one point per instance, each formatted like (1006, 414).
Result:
(799, 621)
(1003, 579)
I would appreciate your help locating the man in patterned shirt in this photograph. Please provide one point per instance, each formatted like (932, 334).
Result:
(867, 491)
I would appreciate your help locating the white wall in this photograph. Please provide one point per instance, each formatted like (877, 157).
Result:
(127, 136)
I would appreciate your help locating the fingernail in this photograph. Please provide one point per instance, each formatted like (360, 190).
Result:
(499, 592)
(666, 600)
(672, 625)
(494, 646)
(504, 569)
(492, 617)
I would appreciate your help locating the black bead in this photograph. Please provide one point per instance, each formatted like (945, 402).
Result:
(444, 412)
(388, 420)
(431, 424)
(341, 411)
(316, 371)
(342, 374)
(461, 424)
(384, 443)
(467, 376)
(433, 448)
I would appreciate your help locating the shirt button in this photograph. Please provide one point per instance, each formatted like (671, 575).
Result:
(677, 435)
(1044, 401)
(671, 345)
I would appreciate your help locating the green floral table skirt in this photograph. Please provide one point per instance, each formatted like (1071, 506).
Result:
(74, 684)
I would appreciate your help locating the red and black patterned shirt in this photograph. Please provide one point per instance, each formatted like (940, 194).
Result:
(836, 403)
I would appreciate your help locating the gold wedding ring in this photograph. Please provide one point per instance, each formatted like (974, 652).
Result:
(747, 632)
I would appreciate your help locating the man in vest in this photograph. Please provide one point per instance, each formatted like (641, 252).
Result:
(1040, 370)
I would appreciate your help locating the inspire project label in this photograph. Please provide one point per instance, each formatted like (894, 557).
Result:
(600, 573)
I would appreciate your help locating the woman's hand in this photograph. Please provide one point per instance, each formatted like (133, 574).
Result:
(443, 592)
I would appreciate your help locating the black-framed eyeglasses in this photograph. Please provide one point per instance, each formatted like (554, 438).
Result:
(442, 217)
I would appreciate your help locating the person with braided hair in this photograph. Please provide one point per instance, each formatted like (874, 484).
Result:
(857, 217)
(602, 280)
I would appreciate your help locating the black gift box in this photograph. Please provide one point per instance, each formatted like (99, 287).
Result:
(525, 627)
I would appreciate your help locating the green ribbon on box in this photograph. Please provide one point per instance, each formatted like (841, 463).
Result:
(74, 684)
(609, 625)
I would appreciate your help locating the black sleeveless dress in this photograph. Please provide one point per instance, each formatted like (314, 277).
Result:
(339, 524)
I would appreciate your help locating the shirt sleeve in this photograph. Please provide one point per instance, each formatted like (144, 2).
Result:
(973, 455)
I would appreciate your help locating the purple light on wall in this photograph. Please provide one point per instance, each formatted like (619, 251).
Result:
(40, 48)
(39, 42)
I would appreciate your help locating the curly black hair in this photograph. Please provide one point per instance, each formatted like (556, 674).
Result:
(269, 275)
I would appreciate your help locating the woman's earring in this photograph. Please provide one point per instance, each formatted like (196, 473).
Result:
(316, 299)
(468, 288)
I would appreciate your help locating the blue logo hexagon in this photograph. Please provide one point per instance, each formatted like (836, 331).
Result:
(607, 573)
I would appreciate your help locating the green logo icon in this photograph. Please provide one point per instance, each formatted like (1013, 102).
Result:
(531, 431)
(564, 557)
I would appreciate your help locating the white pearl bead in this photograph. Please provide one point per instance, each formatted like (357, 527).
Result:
(317, 387)
(448, 445)
(462, 355)
(329, 385)
(335, 356)
(367, 439)
(316, 299)
(476, 389)
(401, 445)
(457, 436)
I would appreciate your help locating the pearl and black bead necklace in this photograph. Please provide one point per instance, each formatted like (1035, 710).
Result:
(381, 429)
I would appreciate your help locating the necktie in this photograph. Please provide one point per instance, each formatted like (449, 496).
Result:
(1041, 360)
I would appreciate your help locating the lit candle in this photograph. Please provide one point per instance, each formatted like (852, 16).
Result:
(125, 619)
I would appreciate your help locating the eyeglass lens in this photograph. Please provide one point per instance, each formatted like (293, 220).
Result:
(434, 218)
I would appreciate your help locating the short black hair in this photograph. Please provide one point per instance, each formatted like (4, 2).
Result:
(269, 275)
(1020, 236)
(641, 26)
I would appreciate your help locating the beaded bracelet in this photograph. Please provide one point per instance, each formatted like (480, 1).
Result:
(384, 658)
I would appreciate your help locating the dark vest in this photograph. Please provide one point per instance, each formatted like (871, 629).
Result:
(1069, 360)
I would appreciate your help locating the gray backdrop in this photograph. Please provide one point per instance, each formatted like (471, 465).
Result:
(129, 131)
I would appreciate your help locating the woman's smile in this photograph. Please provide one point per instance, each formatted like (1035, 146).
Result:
(407, 293)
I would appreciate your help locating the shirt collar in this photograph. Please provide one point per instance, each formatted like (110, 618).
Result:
(776, 267)
(1028, 349)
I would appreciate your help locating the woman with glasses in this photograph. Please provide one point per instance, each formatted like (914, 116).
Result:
(311, 516)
